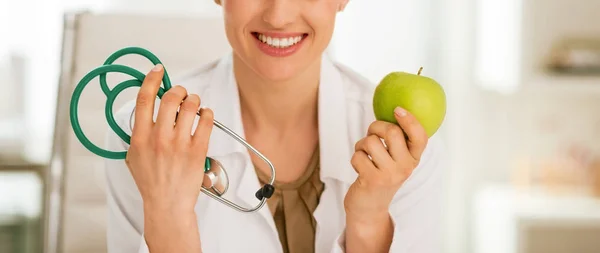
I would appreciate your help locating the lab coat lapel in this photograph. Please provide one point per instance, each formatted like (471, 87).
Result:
(336, 151)
(335, 141)
(223, 99)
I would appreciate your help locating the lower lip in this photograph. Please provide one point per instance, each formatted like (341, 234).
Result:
(278, 52)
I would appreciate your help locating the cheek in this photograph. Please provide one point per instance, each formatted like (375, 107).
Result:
(323, 26)
(237, 15)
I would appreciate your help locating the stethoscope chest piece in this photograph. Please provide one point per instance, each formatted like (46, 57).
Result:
(216, 179)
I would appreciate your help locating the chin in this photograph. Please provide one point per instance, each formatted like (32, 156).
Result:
(278, 70)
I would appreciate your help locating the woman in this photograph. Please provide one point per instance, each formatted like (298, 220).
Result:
(339, 188)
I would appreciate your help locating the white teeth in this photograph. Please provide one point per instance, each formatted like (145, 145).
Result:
(279, 42)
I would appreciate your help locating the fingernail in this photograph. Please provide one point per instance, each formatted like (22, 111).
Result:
(400, 112)
(157, 68)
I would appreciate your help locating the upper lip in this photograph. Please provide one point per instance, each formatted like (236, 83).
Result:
(281, 34)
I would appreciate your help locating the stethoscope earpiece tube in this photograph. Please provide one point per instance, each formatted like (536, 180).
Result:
(214, 173)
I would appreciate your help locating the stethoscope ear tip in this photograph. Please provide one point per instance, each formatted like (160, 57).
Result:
(265, 192)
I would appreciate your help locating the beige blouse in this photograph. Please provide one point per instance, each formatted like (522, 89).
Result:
(292, 206)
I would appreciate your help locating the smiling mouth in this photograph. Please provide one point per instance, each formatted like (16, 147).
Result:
(279, 42)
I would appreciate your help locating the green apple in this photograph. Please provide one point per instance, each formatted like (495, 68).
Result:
(422, 96)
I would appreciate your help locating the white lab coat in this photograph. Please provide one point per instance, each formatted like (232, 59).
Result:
(345, 112)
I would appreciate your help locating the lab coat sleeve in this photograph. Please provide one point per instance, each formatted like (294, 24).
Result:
(124, 202)
(416, 210)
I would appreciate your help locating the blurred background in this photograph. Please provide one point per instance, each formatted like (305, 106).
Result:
(522, 130)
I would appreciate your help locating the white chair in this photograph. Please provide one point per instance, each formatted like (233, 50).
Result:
(76, 206)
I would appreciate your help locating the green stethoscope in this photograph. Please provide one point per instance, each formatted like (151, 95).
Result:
(214, 171)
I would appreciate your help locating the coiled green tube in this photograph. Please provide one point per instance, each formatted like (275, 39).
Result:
(111, 96)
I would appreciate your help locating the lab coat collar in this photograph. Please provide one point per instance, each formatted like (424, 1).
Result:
(335, 140)
(336, 148)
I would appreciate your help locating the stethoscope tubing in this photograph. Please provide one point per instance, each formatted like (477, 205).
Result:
(262, 195)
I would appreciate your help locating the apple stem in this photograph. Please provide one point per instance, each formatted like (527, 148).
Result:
(421, 69)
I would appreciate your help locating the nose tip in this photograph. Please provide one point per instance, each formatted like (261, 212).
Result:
(280, 13)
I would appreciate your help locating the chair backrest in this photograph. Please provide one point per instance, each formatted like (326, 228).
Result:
(76, 207)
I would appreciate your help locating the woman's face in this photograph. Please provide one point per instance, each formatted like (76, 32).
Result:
(279, 39)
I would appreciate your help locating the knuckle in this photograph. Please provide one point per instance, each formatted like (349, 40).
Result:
(163, 141)
(393, 180)
(161, 146)
(393, 131)
(354, 160)
(157, 148)
(180, 90)
(194, 98)
(397, 180)
(374, 126)
(358, 144)
(207, 116)
(382, 182)
(424, 139)
(171, 98)
(406, 171)
(128, 160)
(373, 141)
(397, 177)
(144, 99)
(188, 106)
(182, 147)
(401, 179)
(424, 135)
(175, 95)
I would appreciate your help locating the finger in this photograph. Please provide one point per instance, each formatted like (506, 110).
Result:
(417, 136)
(169, 105)
(393, 137)
(362, 164)
(203, 129)
(187, 114)
(373, 146)
(146, 97)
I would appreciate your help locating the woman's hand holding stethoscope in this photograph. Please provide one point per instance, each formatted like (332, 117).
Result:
(382, 169)
(167, 161)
